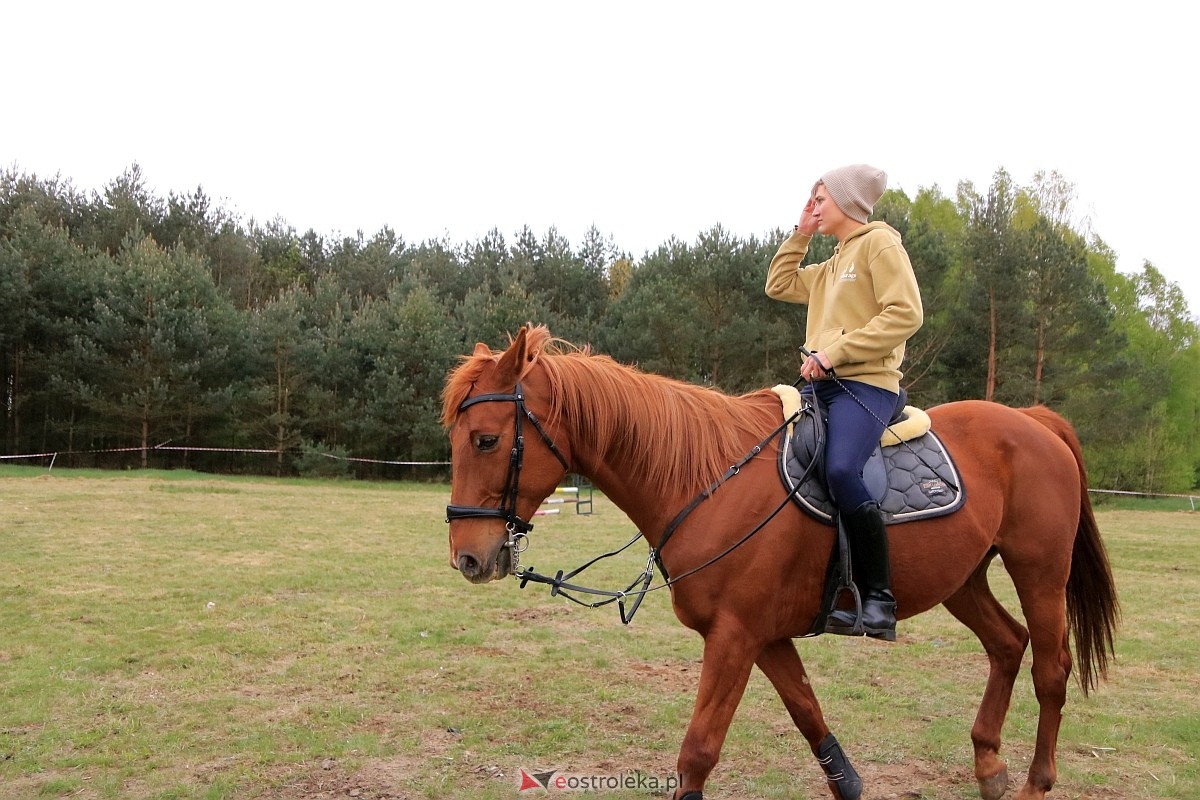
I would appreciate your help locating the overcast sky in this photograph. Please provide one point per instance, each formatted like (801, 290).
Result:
(646, 119)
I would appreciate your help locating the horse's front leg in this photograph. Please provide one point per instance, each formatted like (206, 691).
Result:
(780, 662)
(728, 657)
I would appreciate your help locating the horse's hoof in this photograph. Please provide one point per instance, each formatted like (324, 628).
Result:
(993, 788)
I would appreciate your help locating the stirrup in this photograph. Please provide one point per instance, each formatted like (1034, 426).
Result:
(845, 622)
(859, 629)
(846, 626)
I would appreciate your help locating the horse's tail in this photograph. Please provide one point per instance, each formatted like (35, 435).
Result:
(1092, 607)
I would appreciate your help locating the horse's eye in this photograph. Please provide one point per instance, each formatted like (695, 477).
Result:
(486, 442)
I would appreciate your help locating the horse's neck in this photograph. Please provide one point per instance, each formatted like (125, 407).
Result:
(638, 489)
(649, 508)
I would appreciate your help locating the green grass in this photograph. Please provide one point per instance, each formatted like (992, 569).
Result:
(176, 635)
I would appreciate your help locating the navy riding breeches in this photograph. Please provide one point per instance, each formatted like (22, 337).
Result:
(852, 434)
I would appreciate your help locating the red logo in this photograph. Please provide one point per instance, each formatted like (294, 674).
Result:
(531, 782)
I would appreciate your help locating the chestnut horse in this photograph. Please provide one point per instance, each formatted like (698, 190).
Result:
(521, 419)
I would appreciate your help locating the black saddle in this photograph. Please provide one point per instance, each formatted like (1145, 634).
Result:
(911, 480)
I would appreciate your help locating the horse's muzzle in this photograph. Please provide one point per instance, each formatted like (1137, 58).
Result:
(477, 569)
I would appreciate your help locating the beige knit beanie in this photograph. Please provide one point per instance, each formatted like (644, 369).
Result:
(855, 189)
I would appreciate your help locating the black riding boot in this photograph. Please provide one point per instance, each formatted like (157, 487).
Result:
(867, 535)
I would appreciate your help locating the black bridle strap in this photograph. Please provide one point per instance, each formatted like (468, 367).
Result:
(507, 510)
(545, 437)
(518, 397)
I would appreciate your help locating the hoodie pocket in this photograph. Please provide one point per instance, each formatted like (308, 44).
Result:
(826, 338)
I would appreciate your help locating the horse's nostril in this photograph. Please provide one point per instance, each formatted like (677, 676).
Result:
(468, 565)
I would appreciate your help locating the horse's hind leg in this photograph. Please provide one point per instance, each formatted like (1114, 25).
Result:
(780, 662)
(1004, 640)
(1043, 600)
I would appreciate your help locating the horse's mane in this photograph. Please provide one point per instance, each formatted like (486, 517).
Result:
(661, 430)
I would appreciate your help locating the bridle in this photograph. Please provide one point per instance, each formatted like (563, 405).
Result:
(518, 529)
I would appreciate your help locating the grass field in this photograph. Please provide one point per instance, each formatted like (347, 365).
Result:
(174, 635)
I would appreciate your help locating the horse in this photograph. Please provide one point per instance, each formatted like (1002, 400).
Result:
(521, 418)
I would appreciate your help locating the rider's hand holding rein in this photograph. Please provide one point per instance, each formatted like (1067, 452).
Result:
(815, 367)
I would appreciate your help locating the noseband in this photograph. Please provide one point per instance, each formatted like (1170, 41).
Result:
(518, 529)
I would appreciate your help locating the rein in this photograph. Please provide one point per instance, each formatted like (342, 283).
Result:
(559, 583)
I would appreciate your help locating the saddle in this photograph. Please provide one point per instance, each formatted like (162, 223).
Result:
(911, 473)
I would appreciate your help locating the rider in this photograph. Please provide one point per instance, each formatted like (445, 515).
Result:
(863, 305)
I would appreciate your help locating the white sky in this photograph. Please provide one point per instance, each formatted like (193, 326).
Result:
(647, 119)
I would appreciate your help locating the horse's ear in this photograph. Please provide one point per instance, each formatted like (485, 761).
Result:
(482, 349)
(517, 359)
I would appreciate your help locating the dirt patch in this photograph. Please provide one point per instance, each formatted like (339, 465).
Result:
(391, 778)
(672, 676)
(537, 613)
(375, 780)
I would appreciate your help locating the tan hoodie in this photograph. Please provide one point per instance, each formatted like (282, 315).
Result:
(863, 304)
